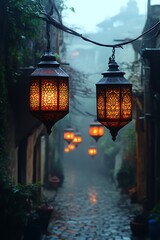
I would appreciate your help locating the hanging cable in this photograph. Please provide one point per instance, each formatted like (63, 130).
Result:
(58, 24)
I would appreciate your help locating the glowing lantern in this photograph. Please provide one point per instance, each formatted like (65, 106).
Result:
(96, 130)
(66, 149)
(71, 146)
(114, 99)
(68, 134)
(92, 151)
(77, 138)
(93, 197)
(49, 92)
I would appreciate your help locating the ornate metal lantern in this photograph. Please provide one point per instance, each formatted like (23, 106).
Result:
(49, 92)
(92, 151)
(114, 99)
(96, 130)
(68, 135)
(71, 146)
(77, 138)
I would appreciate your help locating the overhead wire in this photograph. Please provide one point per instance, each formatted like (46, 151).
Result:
(58, 24)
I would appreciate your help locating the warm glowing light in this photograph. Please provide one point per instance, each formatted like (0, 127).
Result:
(49, 92)
(77, 138)
(68, 135)
(71, 146)
(114, 99)
(66, 149)
(93, 197)
(96, 130)
(92, 151)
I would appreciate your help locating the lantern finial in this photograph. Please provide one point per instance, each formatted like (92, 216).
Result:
(113, 133)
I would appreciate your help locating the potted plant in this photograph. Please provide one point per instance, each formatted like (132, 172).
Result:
(125, 177)
(139, 224)
(154, 222)
(17, 202)
(54, 182)
(44, 211)
(33, 228)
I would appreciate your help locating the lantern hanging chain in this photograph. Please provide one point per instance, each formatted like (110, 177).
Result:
(52, 21)
(112, 58)
(113, 54)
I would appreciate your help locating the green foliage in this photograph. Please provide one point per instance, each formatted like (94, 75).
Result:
(22, 26)
(17, 202)
(61, 6)
(126, 175)
(155, 213)
(107, 145)
(19, 30)
(129, 139)
(3, 124)
(72, 9)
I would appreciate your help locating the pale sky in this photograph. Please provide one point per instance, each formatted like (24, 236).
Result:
(91, 12)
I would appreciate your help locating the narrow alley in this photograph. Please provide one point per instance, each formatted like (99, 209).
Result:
(88, 207)
(80, 120)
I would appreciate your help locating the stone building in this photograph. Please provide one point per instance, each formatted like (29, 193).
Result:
(148, 121)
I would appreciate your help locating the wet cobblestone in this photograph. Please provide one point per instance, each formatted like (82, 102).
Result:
(88, 208)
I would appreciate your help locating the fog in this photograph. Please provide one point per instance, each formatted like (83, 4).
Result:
(88, 58)
(87, 14)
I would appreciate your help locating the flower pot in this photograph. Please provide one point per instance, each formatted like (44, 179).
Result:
(54, 182)
(139, 228)
(44, 213)
(33, 228)
(154, 228)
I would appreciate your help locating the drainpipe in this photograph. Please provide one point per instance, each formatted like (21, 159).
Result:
(149, 134)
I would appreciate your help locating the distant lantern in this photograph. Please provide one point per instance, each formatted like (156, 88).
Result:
(71, 146)
(66, 149)
(77, 138)
(49, 92)
(96, 130)
(92, 151)
(114, 99)
(69, 135)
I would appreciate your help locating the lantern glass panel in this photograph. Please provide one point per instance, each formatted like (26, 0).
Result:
(92, 151)
(63, 95)
(113, 102)
(79, 139)
(126, 103)
(101, 131)
(34, 96)
(93, 131)
(96, 131)
(68, 136)
(101, 103)
(49, 95)
(75, 139)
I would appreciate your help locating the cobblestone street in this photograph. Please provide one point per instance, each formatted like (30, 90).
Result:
(88, 207)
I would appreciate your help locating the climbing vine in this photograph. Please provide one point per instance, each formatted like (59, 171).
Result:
(19, 30)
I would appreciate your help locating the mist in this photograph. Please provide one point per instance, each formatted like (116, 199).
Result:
(93, 60)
